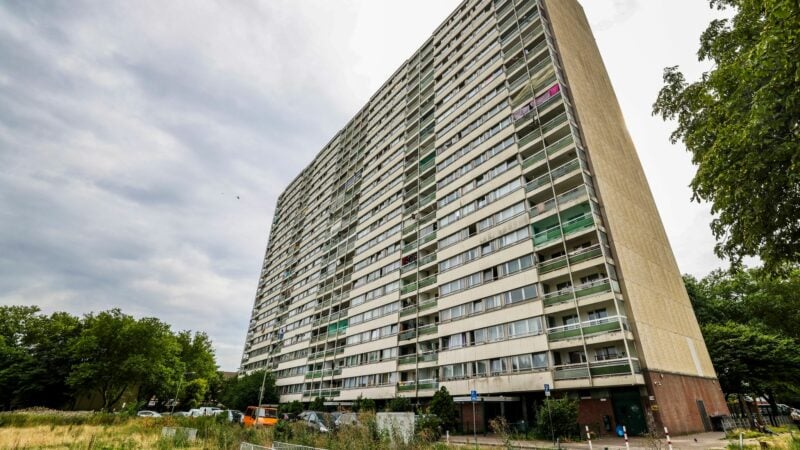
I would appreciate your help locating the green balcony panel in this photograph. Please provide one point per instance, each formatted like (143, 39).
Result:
(408, 359)
(601, 328)
(546, 236)
(560, 144)
(571, 373)
(622, 368)
(533, 159)
(408, 288)
(406, 335)
(592, 290)
(549, 266)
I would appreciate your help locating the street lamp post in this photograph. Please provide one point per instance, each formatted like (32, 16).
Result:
(175, 400)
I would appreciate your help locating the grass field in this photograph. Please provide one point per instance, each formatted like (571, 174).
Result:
(111, 432)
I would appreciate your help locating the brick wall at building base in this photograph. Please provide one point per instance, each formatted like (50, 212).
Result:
(675, 401)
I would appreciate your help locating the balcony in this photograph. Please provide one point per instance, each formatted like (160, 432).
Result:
(410, 287)
(427, 329)
(427, 199)
(427, 260)
(570, 371)
(590, 327)
(573, 194)
(405, 386)
(323, 373)
(407, 359)
(325, 393)
(533, 159)
(425, 282)
(574, 225)
(574, 258)
(612, 367)
(406, 335)
(426, 165)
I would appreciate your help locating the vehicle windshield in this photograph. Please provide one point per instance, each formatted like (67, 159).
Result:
(270, 413)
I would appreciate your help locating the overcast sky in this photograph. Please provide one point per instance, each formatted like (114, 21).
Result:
(143, 144)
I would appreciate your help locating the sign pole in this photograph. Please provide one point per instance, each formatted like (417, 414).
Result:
(474, 430)
(473, 396)
(549, 414)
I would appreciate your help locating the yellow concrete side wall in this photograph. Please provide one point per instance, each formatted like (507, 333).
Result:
(667, 330)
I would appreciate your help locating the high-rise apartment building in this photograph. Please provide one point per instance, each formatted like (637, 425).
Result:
(483, 223)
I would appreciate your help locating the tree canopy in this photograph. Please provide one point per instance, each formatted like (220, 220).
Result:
(751, 325)
(51, 360)
(741, 123)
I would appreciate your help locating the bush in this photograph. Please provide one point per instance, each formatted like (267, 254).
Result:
(443, 406)
(428, 428)
(317, 405)
(564, 412)
(295, 407)
(399, 404)
(363, 404)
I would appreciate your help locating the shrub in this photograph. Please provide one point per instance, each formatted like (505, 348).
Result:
(428, 428)
(318, 404)
(398, 404)
(443, 406)
(564, 412)
(362, 404)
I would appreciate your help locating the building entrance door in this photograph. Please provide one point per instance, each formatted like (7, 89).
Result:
(628, 411)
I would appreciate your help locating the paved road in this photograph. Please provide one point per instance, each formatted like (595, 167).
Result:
(692, 441)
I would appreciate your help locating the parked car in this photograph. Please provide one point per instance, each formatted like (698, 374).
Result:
(231, 415)
(318, 421)
(180, 414)
(204, 411)
(146, 413)
(260, 415)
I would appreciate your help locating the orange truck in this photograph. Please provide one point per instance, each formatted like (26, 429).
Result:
(260, 415)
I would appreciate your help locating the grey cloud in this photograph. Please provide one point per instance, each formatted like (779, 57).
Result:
(125, 137)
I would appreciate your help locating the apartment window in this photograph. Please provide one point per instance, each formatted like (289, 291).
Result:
(597, 314)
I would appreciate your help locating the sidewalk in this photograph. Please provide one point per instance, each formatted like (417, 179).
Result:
(692, 441)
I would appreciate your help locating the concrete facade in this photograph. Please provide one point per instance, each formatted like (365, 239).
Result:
(483, 223)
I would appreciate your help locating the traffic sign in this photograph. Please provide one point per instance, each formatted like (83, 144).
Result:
(473, 395)
(547, 390)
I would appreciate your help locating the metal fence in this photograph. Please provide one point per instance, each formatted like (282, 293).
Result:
(249, 446)
(731, 422)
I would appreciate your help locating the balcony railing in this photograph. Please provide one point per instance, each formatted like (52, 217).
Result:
(574, 258)
(410, 287)
(580, 223)
(590, 327)
(570, 371)
(582, 290)
(427, 329)
(421, 384)
(427, 281)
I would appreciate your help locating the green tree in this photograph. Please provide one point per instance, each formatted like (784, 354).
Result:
(293, 407)
(318, 404)
(241, 392)
(741, 124)
(750, 359)
(399, 404)
(194, 392)
(34, 357)
(443, 406)
(564, 412)
(750, 319)
(362, 404)
(114, 353)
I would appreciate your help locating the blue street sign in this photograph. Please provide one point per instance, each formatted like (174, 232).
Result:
(547, 390)
(473, 395)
